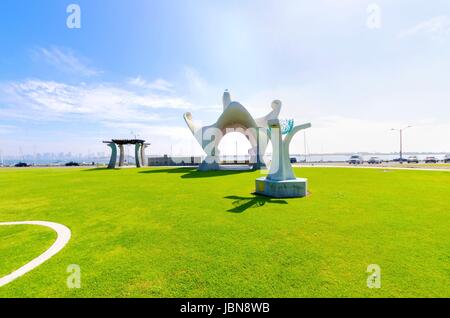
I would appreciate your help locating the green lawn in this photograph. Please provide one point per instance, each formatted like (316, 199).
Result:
(422, 165)
(181, 233)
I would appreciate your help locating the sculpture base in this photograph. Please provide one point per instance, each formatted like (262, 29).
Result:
(205, 166)
(295, 188)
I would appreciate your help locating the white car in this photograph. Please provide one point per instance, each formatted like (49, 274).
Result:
(356, 160)
(374, 160)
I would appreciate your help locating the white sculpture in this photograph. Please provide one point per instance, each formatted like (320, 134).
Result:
(281, 168)
(236, 118)
(281, 181)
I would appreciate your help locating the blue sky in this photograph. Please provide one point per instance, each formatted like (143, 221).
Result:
(137, 66)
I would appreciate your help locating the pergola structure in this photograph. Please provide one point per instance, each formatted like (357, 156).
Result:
(139, 151)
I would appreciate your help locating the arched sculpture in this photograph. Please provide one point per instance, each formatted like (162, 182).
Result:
(233, 118)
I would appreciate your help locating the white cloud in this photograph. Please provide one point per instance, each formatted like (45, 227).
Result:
(358, 117)
(164, 139)
(50, 100)
(65, 60)
(197, 85)
(158, 84)
(6, 129)
(173, 132)
(349, 134)
(436, 27)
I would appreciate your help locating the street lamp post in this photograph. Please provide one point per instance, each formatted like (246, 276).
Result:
(401, 141)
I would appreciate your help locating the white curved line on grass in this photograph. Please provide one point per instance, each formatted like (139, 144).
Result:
(63, 237)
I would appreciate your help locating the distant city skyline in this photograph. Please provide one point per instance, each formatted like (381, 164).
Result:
(49, 156)
(354, 69)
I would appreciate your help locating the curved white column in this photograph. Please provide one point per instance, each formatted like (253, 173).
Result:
(121, 155)
(143, 163)
(63, 237)
(137, 155)
(113, 159)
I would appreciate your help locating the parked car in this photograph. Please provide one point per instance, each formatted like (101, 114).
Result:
(72, 164)
(293, 160)
(413, 159)
(447, 158)
(431, 159)
(21, 164)
(400, 160)
(356, 160)
(374, 160)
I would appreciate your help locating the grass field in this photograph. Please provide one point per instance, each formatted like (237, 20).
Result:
(181, 233)
(422, 165)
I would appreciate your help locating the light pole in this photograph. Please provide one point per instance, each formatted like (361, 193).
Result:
(400, 130)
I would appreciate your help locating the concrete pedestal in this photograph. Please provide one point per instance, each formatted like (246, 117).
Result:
(293, 188)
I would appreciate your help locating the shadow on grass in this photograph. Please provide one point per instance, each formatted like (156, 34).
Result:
(192, 172)
(99, 169)
(243, 203)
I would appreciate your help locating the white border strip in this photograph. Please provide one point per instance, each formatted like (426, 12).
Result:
(62, 239)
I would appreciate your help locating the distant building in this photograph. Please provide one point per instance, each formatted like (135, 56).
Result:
(174, 161)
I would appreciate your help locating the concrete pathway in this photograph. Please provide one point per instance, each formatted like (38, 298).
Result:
(61, 240)
(237, 167)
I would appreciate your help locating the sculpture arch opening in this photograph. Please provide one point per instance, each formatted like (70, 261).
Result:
(235, 147)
